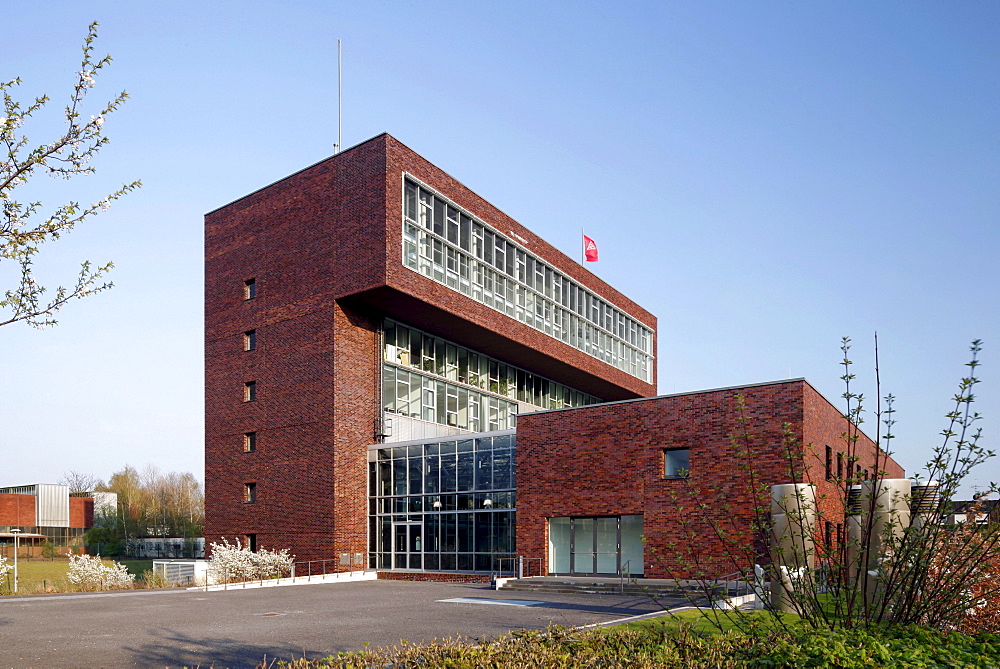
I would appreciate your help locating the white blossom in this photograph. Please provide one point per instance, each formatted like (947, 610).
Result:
(235, 562)
(89, 573)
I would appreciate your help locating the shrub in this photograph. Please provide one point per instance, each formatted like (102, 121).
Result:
(673, 646)
(88, 572)
(235, 562)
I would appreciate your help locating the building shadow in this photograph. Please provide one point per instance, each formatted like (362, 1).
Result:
(176, 649)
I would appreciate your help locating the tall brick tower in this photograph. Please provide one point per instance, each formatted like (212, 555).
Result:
(373, 290)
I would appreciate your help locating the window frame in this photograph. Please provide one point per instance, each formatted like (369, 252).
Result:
(250, 492)
(250, 340)
(249, 391)
(249, 442)
(680, 473)
(250, 288)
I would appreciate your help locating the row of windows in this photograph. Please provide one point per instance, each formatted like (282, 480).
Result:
(465, 465)
(418, 396)
(853, 469)
(250, 395)
(412, 348)
(448, 245)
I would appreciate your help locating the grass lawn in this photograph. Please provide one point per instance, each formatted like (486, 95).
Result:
(36, 576)
(708, 621)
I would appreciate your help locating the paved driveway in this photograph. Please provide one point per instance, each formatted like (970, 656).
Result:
(238, 628)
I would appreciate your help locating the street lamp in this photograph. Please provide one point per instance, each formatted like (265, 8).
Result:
(15, 531)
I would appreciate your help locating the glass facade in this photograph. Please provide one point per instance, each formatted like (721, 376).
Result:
(443, 505)
(432, 379)
(445, 243)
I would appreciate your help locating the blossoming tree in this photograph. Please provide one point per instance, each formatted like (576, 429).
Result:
(24, 227)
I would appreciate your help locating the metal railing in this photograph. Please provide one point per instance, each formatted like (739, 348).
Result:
(520, 566)
(624, 573)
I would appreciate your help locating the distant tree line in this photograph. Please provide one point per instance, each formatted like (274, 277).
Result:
(150, 504)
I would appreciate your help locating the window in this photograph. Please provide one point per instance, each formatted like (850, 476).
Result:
(676, 463)
(249, 493)
(249, 289)
(840, 466)
(250, 541)
(249, 340)
(249, 391)
(249, 442)
(829, 463)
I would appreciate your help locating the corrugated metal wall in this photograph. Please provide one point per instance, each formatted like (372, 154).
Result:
(52, 505)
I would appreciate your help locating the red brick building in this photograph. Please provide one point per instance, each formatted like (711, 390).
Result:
(302, 281)
(373, 332)
(613, 461)
(43, 512)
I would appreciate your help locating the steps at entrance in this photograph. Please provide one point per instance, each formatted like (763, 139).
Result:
(600, 587)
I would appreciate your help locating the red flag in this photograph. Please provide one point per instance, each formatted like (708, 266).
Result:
(589, 249)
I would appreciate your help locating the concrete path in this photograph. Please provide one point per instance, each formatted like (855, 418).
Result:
(238, 628)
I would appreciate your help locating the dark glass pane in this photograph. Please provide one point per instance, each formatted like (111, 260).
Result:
(416, 475)
(484, 470)
(433, 474)
(502, 469)
(465, 531)
(449, 472)
(483, 532)
(449, 542)
(466, 463)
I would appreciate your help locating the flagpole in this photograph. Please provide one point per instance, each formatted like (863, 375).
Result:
(583, 247)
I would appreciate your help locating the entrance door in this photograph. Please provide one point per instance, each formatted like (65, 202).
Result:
(586, 546)
(407, 545)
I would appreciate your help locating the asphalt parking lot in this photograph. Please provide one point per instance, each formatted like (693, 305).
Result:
(239, 628)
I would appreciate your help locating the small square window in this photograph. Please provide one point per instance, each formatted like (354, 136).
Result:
(676, 463)
(249, 391)
(249, 493)
(249, 442)
(249, 340)
(249, 289)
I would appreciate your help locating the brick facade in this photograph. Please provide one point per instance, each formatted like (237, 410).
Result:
(17, 510)
(608, 460)
(324, 248)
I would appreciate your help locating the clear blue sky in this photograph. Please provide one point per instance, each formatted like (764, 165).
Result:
(764, 177)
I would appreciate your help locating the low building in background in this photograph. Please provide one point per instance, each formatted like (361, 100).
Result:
(46, 515)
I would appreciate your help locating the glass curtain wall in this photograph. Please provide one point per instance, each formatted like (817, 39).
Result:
(443, 505)
(451, 247)
(435, 380)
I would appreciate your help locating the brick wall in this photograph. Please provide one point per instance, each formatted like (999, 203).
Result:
(608, 460)
(17, 510)
(81, 512)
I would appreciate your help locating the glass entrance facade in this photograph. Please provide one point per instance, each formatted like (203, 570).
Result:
(590, 546)
(443, 505)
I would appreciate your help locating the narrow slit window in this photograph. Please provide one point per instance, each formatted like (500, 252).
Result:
(249, 289)
(249, 442)
(249, 493)
(249, 391)
(249, 340)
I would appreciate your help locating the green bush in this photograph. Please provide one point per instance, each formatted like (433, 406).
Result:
(672, 645)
